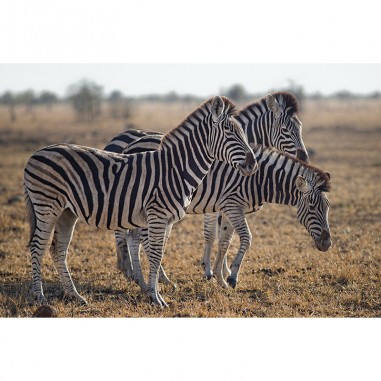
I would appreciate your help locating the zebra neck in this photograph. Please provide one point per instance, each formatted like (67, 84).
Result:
(256, 123)
(275, 180)
(187, 154)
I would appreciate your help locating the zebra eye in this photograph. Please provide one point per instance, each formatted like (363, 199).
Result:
(311, 208)
(230, 127)
(284, 127)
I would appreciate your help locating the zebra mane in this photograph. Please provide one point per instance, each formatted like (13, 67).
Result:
(284, 98)
(288, 100)
(320, 176)
(230, 109)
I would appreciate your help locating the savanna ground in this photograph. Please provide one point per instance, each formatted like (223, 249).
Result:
(283, 274)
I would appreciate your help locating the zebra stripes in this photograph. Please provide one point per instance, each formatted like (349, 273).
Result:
(271, 121)
(280, 179)
(66, 182)
(120, 142)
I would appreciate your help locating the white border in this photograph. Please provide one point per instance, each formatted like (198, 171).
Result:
(119, 31)
(169, 31)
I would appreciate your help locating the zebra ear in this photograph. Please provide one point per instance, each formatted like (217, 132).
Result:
(218, 107)
(328, 175)
(273, 105)
(301, 184)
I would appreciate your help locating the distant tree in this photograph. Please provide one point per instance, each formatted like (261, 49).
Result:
(26, 98)
(344, 95)
(170, 97)
(47, 98)
(86, 98)
(316, 96)
(236, 93)
(115, 95)
(119, 105)
(8, 99)
(374, 95)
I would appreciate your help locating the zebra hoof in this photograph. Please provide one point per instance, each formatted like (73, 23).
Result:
(40, 300)
(208, 276)
(77, 299)
(158, 303)
(143, 287)
(127, 275)
(221, 282)
(232, 282)
(130, 278)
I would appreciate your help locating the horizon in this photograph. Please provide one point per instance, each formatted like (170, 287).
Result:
(200, 80)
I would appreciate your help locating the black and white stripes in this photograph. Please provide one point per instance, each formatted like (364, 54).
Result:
(66, 182)
(271, 121)
(280, 179)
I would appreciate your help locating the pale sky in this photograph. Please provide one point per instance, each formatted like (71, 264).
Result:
(196, 79)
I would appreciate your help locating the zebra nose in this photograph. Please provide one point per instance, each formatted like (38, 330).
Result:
(302, 155)
(251, 162)
(249, 166)
(325, 240)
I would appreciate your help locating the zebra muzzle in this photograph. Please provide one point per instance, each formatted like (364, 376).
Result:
(302, 155)
(249, 166)
(325, 242)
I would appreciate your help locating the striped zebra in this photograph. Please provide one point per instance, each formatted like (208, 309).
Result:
(271, 121)
(66, 182)
(280, 179)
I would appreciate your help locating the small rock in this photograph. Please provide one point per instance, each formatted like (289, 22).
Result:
(45, 311)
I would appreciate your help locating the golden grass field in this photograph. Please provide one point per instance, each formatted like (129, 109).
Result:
(283, 275)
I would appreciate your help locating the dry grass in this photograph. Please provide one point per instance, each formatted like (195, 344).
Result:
(283, 275)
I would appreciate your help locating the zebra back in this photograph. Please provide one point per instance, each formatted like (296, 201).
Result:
(271, 121)
(120, 142)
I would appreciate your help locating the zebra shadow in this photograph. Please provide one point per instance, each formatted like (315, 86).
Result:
(18, 301)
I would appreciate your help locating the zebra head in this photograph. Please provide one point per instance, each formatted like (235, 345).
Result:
(286, 130)
(228, 142)
(313, 209)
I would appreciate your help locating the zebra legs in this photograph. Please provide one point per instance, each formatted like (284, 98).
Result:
(225, 235)
(123, 254)
(156, 235)
(63, 234)
(38, 244)
(133, 240)
(210, 229)
(238, 221)
(163, 278)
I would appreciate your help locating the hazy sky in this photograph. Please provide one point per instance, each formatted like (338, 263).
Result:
(197, 79)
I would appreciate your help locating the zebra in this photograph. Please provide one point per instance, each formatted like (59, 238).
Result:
(271, 121)
(67, 182)
(280, 179)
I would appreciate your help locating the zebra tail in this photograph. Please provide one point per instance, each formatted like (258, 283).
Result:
(31, 214)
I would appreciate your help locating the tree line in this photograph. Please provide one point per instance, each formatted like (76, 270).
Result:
(86, 98)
